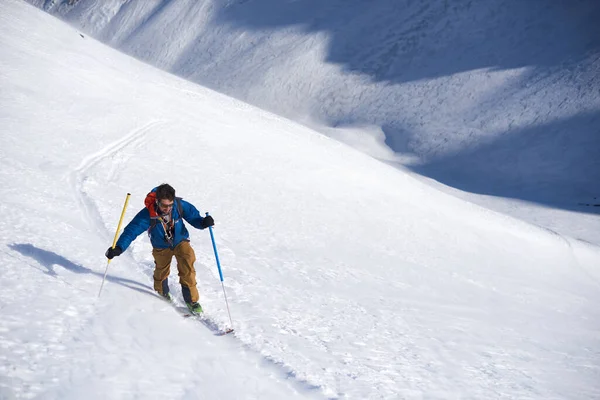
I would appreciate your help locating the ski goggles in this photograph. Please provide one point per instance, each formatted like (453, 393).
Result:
(163, 205)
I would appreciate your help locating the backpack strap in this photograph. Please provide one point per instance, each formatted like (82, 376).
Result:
(179, 207)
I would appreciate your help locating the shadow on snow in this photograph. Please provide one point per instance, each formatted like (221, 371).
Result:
(49, 260)
(415, 40)
(556, 164)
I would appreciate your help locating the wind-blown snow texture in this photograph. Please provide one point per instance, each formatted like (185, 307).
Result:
(495, 98)
(347, 277)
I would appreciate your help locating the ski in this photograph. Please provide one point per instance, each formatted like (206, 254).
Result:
(204, 320)
(200, 317)
(207, 322)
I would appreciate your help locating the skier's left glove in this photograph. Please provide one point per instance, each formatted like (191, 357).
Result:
(113, 252)
(207, 221)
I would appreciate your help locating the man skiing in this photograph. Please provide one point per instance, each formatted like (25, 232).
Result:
(163, 219)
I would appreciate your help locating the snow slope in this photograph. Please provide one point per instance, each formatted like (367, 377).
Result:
(499, 99)
(347, 277)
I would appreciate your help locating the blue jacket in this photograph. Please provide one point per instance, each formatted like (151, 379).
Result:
(141, 222)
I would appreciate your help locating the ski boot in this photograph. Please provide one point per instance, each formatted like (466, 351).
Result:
(167, 297)
(195, 307)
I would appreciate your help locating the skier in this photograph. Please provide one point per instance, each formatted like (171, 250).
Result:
(162, 218)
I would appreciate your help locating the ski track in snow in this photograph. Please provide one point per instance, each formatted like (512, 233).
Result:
(80, 174)
(68, 321)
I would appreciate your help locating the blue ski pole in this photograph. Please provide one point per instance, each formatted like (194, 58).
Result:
(212, 238)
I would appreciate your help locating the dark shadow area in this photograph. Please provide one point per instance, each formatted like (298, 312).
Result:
(407, 40)
(49, 260)
(556, 164)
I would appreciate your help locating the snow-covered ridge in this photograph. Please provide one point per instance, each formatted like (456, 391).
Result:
(347, 278)
(496, 98)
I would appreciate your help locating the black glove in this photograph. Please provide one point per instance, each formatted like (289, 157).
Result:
(207, 221)
(112, 253)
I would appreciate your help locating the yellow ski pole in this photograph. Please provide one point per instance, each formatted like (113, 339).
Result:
(115, 240)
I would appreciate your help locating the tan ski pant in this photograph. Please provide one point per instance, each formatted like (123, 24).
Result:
(185, 256)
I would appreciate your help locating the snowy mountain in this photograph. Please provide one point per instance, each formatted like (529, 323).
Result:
(499, 99)
(347, 277)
